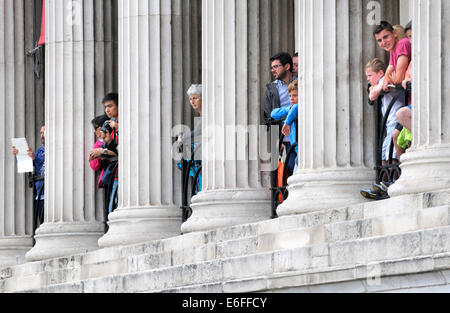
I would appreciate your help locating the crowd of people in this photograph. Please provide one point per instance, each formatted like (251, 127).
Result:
(389, 84)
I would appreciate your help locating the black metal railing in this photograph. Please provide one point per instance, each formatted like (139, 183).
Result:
(38, 209)
(391, 171)
(114, 160)
(280, 193)
(191, 170)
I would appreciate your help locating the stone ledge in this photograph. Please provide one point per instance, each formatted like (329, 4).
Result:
(361, 251)
(335, 237)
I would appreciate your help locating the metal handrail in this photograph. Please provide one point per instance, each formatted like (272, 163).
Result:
(37, 194)
(391, 169)
(186, 167)
(280, 191)
(107, 193)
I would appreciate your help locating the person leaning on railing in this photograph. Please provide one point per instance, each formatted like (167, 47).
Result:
(391, 102)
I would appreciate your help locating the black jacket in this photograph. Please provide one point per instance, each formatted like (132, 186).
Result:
(271, 101)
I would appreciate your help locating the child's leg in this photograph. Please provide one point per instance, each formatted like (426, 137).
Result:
(400, 150)
(404, 116)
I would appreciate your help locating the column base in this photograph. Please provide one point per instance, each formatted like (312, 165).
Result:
(224, 208)
(13, 250)
(424, 169)
(317, 190)
(128, 226)
(54, 240)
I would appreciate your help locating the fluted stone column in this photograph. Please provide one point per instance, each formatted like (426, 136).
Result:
(152, 54)
(426, 165)
(336, 126)
(406, 11)
(72, 222)
(106, 76)
(232, 192)
(16, 199)
(187, 69)
(273, 22)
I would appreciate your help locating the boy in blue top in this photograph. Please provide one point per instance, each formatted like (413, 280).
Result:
(289, 129)
(290, 113)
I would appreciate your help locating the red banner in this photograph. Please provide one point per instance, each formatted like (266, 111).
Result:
(42, 38)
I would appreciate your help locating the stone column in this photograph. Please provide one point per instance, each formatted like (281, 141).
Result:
(406, 11)
(16, 199)
(187, 57)
(336, 126)
(426, 165)
(106, 73)
(232, 192)
(72, 222)
(152, 55)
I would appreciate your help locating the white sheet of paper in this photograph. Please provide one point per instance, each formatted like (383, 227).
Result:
(24, 162)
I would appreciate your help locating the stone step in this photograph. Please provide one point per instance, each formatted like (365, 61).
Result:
(376, 277)
(148, 256)
(197, 241)
(420, 244)
(314, 230)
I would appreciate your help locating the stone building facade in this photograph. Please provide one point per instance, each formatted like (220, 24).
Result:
(150, 52)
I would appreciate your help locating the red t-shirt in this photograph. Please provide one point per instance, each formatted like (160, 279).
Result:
(403, 48)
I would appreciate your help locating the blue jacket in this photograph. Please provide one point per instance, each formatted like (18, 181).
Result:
(291, 112)
(39, 164)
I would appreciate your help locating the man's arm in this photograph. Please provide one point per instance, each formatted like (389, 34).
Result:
(292, 116)
(280, 113)
(402, 66)
(387, 77)
(31, 154)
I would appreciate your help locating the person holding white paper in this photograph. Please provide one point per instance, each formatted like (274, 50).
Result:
(39, 164)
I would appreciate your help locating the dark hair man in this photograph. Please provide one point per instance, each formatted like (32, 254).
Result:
(277, 93)
(111, 104)
(400, 51)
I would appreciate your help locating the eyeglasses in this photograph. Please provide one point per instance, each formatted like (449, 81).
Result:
(276, 66)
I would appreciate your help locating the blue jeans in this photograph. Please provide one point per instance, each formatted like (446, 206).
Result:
(387, 143)
(291, 161)
(111, 199)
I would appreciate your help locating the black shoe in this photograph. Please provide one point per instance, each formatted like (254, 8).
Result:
(380, 189)
(373, 195)
(369, 194)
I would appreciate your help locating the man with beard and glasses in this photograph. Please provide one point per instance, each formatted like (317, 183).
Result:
(277, 93)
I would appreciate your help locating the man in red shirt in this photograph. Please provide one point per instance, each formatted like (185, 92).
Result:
(400, 51)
